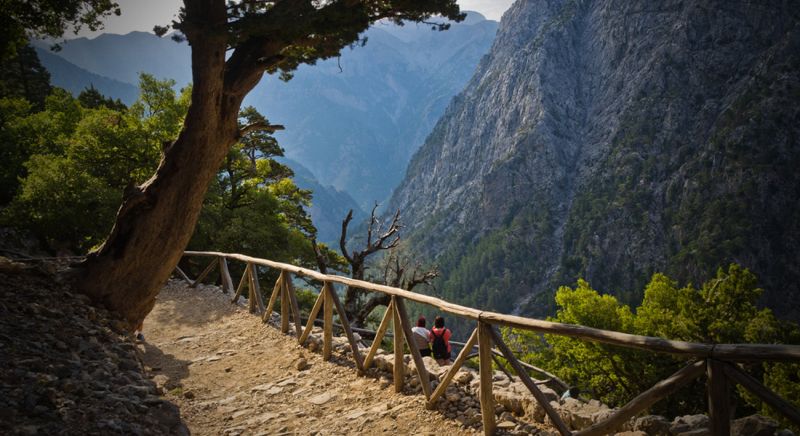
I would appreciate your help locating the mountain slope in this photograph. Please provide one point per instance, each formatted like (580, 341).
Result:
(610, 140)
(356, 121)
(75, 79)
(329, 206)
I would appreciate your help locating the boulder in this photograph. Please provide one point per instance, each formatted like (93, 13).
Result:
(652, 425)
(688, 423)
(512, 401)
(754, 425)
(581, 415)
(463, 377)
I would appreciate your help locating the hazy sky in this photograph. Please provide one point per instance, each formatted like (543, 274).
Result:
(144, 14)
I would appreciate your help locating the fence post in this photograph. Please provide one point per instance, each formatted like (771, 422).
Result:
(227, 283)
(327, 336)
(485, 359)
(285, 302)
(397, 331)
(719, 412)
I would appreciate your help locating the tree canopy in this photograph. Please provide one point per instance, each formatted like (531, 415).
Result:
(722, 310)
(23, 19)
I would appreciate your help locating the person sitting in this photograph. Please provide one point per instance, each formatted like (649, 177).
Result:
(422, 337)
(440, 341)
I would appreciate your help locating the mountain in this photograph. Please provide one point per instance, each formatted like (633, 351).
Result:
(329, 206)
(74, 79)
(123, 57)
(356, 121)
(611, 140)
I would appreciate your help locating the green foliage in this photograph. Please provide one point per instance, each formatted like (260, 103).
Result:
(64, 204)
(91, 98)
(39, 18)
(22, 75)
(73, 162)
(722, 310)
(13, 150)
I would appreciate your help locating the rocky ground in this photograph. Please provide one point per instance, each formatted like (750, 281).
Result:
(231, 374)
(68, 368)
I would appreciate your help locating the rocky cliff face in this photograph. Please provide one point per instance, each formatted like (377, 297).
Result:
(613, 139)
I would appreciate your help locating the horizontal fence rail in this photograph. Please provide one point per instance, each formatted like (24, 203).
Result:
(716, 361)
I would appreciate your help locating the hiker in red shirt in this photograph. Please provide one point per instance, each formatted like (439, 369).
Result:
(440, 341)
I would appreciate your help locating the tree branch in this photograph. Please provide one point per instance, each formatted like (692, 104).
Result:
(260, 126)
(343, 238)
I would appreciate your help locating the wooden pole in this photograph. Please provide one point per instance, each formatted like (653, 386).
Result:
(227, 283)
(277, 289)
(298, 324)
(241, 285)
(462, 356)
(311, 317)
(646, 399)
(347, 330)
(183, 275)
(486, 373)
(719, 404)
(388, 316)
(422, 372)
(528, 382)
(256, 287)
(204, 273)
(397, 330)
(251, 295)
(765, 394)
(285, 302)
(327, 341)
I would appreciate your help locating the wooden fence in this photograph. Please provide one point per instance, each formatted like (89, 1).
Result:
(717, 361)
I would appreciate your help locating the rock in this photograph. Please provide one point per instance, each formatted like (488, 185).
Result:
(695, 432)
(463, 377)
(301, 364)
(189, 395)
(683, 424)
(512, 401)
(754, 425)
(506, 425)
(322, 398)
(652, 425)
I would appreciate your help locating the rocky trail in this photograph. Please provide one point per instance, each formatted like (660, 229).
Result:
(231, 374)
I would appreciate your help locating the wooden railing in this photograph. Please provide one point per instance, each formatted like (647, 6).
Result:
(716, 361)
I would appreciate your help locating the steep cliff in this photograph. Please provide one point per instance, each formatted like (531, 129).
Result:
(612, 139)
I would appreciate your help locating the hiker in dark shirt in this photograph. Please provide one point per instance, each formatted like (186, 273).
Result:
(440, 340)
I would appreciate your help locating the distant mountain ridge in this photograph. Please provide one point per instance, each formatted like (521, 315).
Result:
(75, 79)
(611, 140)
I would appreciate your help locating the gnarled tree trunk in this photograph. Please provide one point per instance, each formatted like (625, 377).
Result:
(156, 220)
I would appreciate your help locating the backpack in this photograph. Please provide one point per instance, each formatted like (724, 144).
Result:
(439, 345)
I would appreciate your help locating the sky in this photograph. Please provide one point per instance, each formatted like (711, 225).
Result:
(144, 14)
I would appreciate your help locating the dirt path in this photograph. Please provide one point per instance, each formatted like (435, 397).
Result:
(231, 374)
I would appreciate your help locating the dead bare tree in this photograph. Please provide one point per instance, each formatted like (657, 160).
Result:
(397, 273)
(385, 240)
